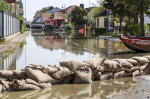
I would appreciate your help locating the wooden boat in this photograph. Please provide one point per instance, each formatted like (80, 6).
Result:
(138, 44)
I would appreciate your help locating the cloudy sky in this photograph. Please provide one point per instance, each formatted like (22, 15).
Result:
(33, 5)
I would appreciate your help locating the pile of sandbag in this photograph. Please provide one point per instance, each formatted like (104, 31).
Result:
(35, 77)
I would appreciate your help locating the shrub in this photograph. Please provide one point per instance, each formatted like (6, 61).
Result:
(22, 25)
(100, 31)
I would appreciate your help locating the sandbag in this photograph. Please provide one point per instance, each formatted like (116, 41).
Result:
(62, 73)
(133, 62)
(51, 69)
(36, 66)
(94, 63)
(5, 85)
(148, 57)
(141, 60)
(136, 73)
(98, 75)
(83, 77)
(144, 66)
(106, 76)
(68, 80)
(109, 64)
(72, 64)
(20, 74)
(126, 69)
(38, 75)
(20, 85)
(119, 74)
(41, 85)
(6, 74)
(135, 68)
(124, 63)
(100, 69)
(1, 88)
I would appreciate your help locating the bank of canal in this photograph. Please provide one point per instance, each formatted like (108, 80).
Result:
(41, 49)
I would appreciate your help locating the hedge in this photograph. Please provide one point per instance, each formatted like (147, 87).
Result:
(100, 31)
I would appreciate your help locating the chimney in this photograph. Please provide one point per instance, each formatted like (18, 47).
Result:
(82, 6)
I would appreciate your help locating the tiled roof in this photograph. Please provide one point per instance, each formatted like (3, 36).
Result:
(37, 14)
(46, 16)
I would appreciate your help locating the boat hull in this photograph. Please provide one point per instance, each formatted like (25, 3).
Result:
(136, 43)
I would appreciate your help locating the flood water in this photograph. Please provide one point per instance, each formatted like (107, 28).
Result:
(38, 48)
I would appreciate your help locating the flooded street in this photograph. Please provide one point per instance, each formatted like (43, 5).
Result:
(41, 49)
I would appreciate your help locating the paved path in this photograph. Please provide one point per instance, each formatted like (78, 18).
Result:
(7, 46)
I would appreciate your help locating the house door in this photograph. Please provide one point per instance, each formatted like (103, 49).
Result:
(97, 22)
(105, 22)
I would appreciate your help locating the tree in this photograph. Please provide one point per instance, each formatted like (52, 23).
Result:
(44, 10)
(4, 6)
(129, 8)
(77, 15)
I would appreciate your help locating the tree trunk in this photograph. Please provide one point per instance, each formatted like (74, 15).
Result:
(120, 24)
(142, 19)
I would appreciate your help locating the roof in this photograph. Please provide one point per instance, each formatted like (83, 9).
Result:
(56, 9)
(46, 16)
(58, 15)
(37, 14)
(89, 9)
(102, 13)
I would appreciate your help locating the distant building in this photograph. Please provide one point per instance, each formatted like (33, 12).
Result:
(102, 19)
(37, 16)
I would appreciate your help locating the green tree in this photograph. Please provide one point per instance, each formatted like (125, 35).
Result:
(77, 15)
(4, 6)
(44, 10)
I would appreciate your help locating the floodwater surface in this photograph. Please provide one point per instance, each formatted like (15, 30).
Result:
(42, 49)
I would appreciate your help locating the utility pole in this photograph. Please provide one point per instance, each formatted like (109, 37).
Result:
(90, 11)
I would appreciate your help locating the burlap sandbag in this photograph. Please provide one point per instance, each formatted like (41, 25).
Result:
(135, 68)
(119, 74)
(5, 85)
(142, 67)
(94, 63)
(68, 80)
(148, 57)
(6, 74)
(20, 85)
(124, 63)
(41, 85)
(98, 75)
(141, 60)
(62, 73)
(133, 62)
(72, 64)
(109, 64)
(136, 73)
(83, 77)
(100, 69)
(127, 70)
(1, 88)
(20, 74)
(51, 69)
(38, 75)
(106, 76)
(36, 66)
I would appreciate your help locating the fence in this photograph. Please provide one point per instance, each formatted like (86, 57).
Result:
(8, 24)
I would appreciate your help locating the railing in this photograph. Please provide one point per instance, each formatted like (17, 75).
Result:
(8, 24)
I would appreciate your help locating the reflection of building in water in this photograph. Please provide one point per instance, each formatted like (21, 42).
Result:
(9, 62)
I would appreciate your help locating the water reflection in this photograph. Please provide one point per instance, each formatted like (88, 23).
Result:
(42, 48)
(97, 90)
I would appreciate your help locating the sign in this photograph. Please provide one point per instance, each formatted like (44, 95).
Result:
(84, 17)
(111, 23)
(10, 1)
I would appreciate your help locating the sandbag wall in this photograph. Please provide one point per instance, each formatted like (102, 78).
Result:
(35, 77)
